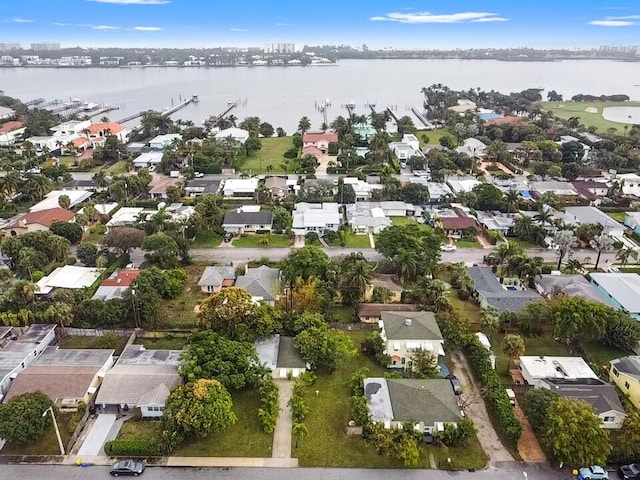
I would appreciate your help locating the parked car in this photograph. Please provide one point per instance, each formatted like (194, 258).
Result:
(455, 384)
(127, 467)
(228, 237)
(594, 472)
(199, 174)
(630, 472)
(449, 247)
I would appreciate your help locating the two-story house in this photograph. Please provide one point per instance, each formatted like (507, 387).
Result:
(405, 332)
(625, 373)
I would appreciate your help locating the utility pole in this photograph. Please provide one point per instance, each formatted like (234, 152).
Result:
(55, 425)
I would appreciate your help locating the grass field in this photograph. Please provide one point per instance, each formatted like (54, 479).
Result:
(47, 444)
(178, 313)
(206, 240)
(566, 110)
(351, 240)
(435, 136)
(602, 353)
(401, 220)
(118, 167)
(271, 155)
(263, 241)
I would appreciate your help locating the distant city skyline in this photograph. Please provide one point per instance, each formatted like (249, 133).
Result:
(377, 23)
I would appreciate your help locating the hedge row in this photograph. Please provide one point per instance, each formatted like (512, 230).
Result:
(132, 448)
(497, 398)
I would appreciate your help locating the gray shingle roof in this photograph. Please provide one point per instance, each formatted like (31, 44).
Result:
(261, 282)
(629, 365)
(288, 355)
(248, 218)
(214, 276)
(423, 326)
(574, 285)
(602, 396)
(503, 300)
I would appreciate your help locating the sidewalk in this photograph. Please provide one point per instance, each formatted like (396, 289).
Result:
(282, 434)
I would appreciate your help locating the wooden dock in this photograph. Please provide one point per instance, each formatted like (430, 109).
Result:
(164, 113)
(213, 120)
(422, 119)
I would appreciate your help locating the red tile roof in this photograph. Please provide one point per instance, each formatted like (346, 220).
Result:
(113, 128)
(311, 150)
(78, 142)
(123, 278)
(316, 137)
(10, 126)
(587, 188)
(458, 223)
(44, 217)
(509, 119)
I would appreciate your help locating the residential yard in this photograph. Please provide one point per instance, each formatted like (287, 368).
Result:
(89, 342)
(270, 159)
(344, 314)
(468, 309)
(470, 457)
(178, 313)
(601, 354)
(117, 168)
(591, 117)
(435, 136)
(402, 220)
(47, 444)
(351, 240)
(170, 342)
(464, 243)
(617, 216)
(263, 241)
(206, 240)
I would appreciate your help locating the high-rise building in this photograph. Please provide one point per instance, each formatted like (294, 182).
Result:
(8, 46)
(279, 48)
(45, 46)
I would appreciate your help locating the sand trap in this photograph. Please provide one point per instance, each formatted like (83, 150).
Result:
(591, 109)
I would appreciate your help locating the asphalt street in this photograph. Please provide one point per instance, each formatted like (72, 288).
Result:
(510, 471)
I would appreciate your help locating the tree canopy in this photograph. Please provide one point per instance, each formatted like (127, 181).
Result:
(422, 242)
(21, 419)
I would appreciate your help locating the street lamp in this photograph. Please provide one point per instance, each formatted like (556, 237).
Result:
(55, 424)
(525, 475)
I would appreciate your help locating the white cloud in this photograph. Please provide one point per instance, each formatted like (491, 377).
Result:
(620, 21)
(104, 27)
(427, 17)
(238, 29)
(148, 29)
(86, 25)
(133, 2)
(21, 20)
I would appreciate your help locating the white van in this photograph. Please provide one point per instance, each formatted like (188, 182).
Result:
(512, 397)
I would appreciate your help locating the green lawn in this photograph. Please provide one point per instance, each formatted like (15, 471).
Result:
(435, 136)
(178, 313)
(263, 241)
(533, 346)
(118, 167)
(617, 216)
(566, 110)
(89, 342)
(244, 439)
(47, 444)
(468, 309)
(602, 354)
(465, 243)
(470, 457)
(169, 342)
(270, 159)
(206, 240)
(351, 240)
(402, 220)
(524, 244)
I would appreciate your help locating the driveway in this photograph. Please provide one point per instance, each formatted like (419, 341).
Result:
(324, 163)
(105, 428)
(477, 411)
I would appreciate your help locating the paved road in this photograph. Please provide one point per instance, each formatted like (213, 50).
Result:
(510, 471)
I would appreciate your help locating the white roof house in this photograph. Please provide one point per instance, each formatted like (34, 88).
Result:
(68, 276)
(6, 112)
(315, 217)
(163, 141)
(592, 215)
(411, 140)
(622, 290)
(240, 187)
(124, 217)
(630, 183)
(472, 147)
(51, 199)
(462, 184)
(147, 159)
(537, 368)
(102, 208)
(237, 134)
(363, 189)
(562, 189)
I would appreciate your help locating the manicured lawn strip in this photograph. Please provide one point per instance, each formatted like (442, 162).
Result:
(118, 167)
(566, 110)
(163, 343)
(617, 216)
(271, 155)
(89, 342)
(140, 430)
(256, 241)
(468, 309)
(401, 220)
(351, 240)
(468, 457)
(463, 243)
(244, 439)
(205, 240)
(47, 444)
(178, 313)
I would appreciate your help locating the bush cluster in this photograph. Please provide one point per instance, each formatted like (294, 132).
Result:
(132, 448)
(269, 407)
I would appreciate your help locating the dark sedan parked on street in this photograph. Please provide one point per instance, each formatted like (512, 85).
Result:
(630, 472)
(127, 467)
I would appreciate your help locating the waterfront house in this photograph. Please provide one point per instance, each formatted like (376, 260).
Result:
(625, 373)
(101, 130)
(319, 140)
(10, 133)
(237, 134)
(214, 279)
(622, 290)
(405, 332)
(163, 141)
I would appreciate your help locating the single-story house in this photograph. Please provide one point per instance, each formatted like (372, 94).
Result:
(592, 191)
(411, 140)
(240, 187)
(313, 151)
(11, 132)
(462, 184)
(140, 378)
(125, 217)
(592, 215)
(455, 222)
(405, 332)
(159, 185)
(367, 217)
(429, 404)
(402, 151)
(277, 186)
(497, 221)
(6, 112)
(179, 212)
(574, 285)
(214, 279)
(622, 290)
(600, 395)
(586, 149)
(560, 189)
(116, 285)
(51, 200)
(315, 217)
(630, 183)
(510, 296)
(263, 283)
(537, 370)
(243, 220)
(16, 355)
(66, 376)
(319, 140)
(39, 221)
(69, 276)
(363, 190)
(372, 312)
(472, 147)
(280, 356)
(163, 141)
(437, 191)
(147, 160)
(625, 373)
(388, 281)
(632, 220)
(84, 184)
(201, 186)
(237, 134)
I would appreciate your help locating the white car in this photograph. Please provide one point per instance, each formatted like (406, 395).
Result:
(448, 247)
(199, 174)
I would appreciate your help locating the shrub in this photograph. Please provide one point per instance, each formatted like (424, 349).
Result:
(70, 261)
(497, 399)
(311, 237)
(108, 340)
(359, 410)
(132, 448)
(291, 153)
(76, 417)
(269, 407)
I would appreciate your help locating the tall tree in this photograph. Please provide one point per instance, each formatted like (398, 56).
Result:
(304, 125)
(512, 346)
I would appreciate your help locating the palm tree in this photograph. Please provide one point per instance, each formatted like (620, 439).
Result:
(524, 227)
(624, 254)
(300, 431)
(360, 274)
(100, 179)
(512, 201)
(489, 320)
(104, 120)
(574, 265)
(504, 252)
(599, 244)
(513, 346)
(543, 216)
(406, 265)
(573, 122)
(10, 183)
(565, 240)
(304, 125)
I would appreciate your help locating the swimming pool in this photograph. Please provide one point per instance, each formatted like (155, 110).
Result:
(513, 289)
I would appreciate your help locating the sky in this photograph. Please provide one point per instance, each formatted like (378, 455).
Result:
(376, 23)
